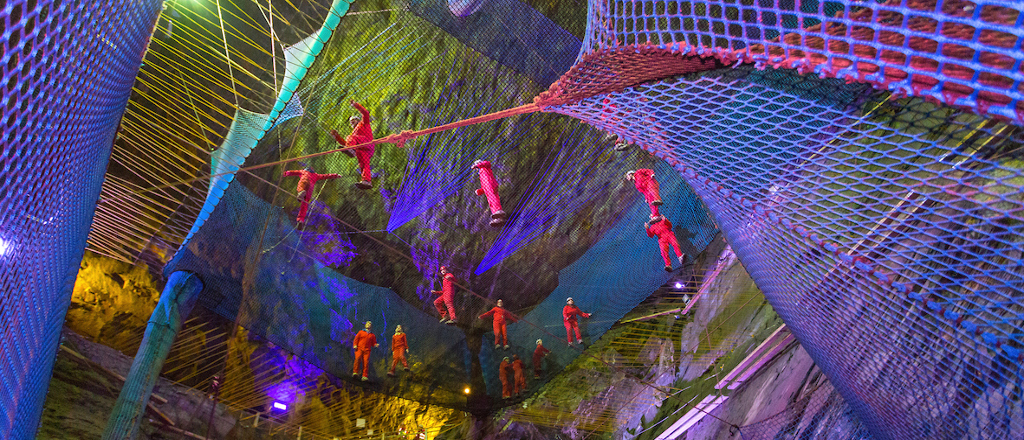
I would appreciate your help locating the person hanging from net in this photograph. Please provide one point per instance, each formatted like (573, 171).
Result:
(503, 370)
(659, 226)
(489, 187)
(569, 315)
(517, 369)
(399, 345)
(363, 343)
(643, 179)
(361, 133)
(307, 180)
(446, 298)
(500, 317)
(538, 358)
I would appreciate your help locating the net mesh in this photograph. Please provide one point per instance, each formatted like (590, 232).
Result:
(874, 224)
(67, 71)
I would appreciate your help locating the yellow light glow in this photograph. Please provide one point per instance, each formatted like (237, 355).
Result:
(466, 390)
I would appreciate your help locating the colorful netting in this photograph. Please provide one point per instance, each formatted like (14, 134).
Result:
(68, 69)
(886, 232)
(961, 53)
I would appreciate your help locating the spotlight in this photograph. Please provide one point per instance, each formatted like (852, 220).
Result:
(280, 406)
(5, 247)
(679, 285)
(466, 390)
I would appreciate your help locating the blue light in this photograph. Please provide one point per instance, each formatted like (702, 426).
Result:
(679, 285)
(280, 406)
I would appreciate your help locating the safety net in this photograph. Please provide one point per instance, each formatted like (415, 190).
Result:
(63, 94)
(885, 228)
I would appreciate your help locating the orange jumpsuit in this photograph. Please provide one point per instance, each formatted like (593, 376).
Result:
(489, 187)
(517, 367)
(499, 318)
(307, 179)
(364, 342)
(644, 181)
(569, 314)
(447, 298)
(506, 388)
(666, 238)
(398, 347)
(361, 134)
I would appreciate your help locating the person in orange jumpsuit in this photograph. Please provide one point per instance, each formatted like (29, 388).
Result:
(506, 387)
(489, 187)
(662, 228)
(644, 181)
(538, 357)
(517, 369)
(399, 345)
(361, 133)
(363, 343)
(569, 314)
(447, 298)
(307, 179)
(500, 317)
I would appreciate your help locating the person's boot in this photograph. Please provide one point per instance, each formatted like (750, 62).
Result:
(365, 379)
(668, 268)
(506, 346)
(496, 222)
(499, 214)
(657, 202)
(682, 260)
(579, 341)
(391, 373)
(497, 346)
(364, 184)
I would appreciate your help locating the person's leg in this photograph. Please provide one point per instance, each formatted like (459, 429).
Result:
(655, 192)
(366, 364)
(449, 301)
(568, 331)
(504, 333)
(576, 326)
(439, 305)
(497, 332)
(363, 156)
(675, 244)
(394, 362)
(405, 363)
(664, 252)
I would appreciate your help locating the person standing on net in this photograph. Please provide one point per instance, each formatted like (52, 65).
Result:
(363, 343)
(538, 358)
(361, 133)
(500, 316)
(659, 226)
(517, 369)
(506, 387)
(307, 180)
(399, 345)
(643, 180)
(447, 298)
(569, 314)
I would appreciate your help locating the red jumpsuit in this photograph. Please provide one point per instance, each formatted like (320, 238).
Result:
(363, 343)
(666, 238)
(361, 134)
(538, 357)
(398, 347)
(517, 368)
(499, 318)
(644, 181)
(506, 388)
(489, 187)
(447, 298)
(569, 314)
(307, 179)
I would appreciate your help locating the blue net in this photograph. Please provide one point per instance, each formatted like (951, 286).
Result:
(63, 95)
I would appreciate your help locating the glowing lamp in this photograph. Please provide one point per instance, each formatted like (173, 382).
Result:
(679, 285)
(280, 406)
(466, 390)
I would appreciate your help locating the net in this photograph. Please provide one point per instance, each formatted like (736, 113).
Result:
(59, 119)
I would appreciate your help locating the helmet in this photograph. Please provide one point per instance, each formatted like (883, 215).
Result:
(629, 175)
(354, 119)
(539, 342)
(568, 299)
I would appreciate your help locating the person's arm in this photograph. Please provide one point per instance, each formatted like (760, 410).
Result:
(647, 227)
(669, 225)
(293, 173)
(373, 339)
(363, 111)
(328, 176)
(337, 137)
(355, 342)
(489, 313)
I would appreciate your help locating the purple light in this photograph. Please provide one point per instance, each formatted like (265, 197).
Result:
(679, 285)
(280, 406)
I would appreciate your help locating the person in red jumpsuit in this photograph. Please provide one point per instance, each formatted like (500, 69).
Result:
(644, 181)
(399, 345)
(569, 314)
(489, 187)
(506, 387)
(364, 342)
(361, 133)
(500, 317)
(517, 369)
(307, 179)
(447, 298)
(662, 228)
(538, 357)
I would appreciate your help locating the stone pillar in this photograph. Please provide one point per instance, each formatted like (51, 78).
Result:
(176, 302)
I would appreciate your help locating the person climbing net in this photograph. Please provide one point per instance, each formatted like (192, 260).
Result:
(361, 134)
